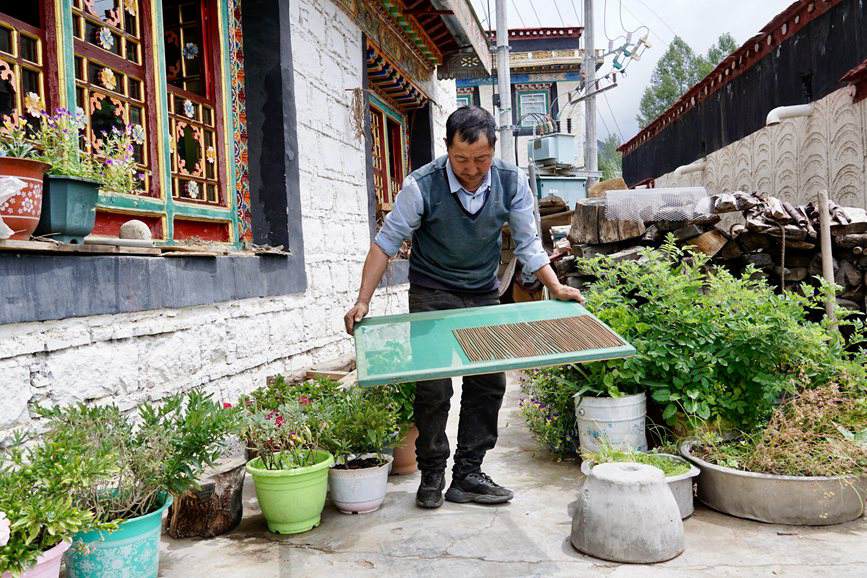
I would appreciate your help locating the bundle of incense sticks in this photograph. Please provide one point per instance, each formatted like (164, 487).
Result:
(535, 338)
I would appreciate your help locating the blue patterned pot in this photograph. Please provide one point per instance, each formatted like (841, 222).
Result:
(133, 551)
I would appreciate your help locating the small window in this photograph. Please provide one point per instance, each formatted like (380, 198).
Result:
(464, 100)
(532, 107)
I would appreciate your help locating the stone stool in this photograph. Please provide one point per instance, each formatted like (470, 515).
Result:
(626, 513)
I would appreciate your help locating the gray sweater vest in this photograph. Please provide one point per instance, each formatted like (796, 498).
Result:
(453, 249)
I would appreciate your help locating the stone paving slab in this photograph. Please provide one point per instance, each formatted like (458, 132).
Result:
(528, 537)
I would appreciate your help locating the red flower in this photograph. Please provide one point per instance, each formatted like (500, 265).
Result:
(226, 405)
(279, 421)
(304, 400)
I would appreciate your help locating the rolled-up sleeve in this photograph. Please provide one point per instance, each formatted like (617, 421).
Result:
(522, 222)
(404, 218)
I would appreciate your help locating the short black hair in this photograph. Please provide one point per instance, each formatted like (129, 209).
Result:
(469, 122)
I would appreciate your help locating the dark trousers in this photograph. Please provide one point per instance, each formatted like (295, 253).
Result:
(481, 398)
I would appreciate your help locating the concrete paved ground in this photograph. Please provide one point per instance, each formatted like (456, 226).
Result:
(529, 537)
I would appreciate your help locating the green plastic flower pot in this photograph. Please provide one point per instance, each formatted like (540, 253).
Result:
(292, 500)
(132, 550)
(68, 209)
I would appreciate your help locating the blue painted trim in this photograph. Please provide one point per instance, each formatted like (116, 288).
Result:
(67, 95)
(520, 79)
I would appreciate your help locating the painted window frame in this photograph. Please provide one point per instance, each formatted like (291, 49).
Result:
(156, 206)
(389, 192)
(464, 100)
(519, 94)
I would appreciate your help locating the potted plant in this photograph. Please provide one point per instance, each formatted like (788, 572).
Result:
(38, 516)
(72, 181)
(155, 455)
(358, 428)
(289, 471)
(679, 473)
(808, 466)
(20, 180)
(400, 397)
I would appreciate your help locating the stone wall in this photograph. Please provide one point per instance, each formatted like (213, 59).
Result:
(795, 159)
(228, 348)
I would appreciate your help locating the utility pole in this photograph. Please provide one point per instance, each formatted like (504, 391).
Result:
(591, 162)
(504, 84)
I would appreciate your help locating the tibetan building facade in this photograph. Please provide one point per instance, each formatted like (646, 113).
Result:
(545, 66)
(258, 122)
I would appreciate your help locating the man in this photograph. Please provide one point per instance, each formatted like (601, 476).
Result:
(453, 209)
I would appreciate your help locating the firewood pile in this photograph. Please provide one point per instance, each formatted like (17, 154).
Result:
(735, 229)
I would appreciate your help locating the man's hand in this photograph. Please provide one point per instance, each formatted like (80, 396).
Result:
(356, 314)
(566, 293)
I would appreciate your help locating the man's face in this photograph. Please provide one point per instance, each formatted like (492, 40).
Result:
(471, 162)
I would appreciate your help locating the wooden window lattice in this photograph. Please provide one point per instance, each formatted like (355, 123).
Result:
(22, 82)
(110, 80)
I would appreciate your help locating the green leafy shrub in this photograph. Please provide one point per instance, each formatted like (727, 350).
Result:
(670, 466)
(283, 438)
(710, 345)
(37, 486)
(357, 425)
(164, 450)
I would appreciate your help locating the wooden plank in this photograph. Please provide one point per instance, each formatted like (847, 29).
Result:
(349, 379)
(325, 374)
(710, 243)
(194, 254)
(48, 247)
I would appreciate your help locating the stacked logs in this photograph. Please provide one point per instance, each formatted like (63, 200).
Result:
(735, 229)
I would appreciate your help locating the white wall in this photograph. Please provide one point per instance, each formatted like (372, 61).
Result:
(229, 348)
(797, 158)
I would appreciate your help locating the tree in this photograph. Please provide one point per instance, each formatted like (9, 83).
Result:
(678, 69)
(610, 159)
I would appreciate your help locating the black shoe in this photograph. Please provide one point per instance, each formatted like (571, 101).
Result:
(478, 488)
(430, 490)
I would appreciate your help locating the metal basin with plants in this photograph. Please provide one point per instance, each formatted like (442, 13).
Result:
(796, 500)
(680, 484)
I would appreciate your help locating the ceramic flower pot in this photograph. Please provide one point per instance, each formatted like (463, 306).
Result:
(292, 500)
(404, 454)
(359, 491)
(20, 205)
(47, 565)
(68, 209)
(132, 550)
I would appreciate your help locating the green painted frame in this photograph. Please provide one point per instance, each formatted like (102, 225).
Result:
(464, 100)
(421, 346)
(399, 118)
(165, 205)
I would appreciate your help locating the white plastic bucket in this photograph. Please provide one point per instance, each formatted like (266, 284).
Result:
(618, 421)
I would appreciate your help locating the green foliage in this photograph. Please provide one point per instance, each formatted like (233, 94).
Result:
(57, 142)
(119, 172)
(280, 392)
(358, 425)
(711, 346)
(164, 450)
(15, 138)
(610, 159)
(670, 466)
(678, 69)
(37, 485)
(811, 434)
(284, 437)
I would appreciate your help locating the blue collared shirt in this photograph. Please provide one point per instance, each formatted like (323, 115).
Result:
(405, 217)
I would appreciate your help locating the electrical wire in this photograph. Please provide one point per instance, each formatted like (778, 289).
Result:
(652, 31)
(658, 17)
(562, 22)
(539, 20)
(518, 12)
(613, 117)
(623, 26)
(575, 10)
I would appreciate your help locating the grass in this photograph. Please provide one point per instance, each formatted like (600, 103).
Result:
(669, 466)
(816, 433)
